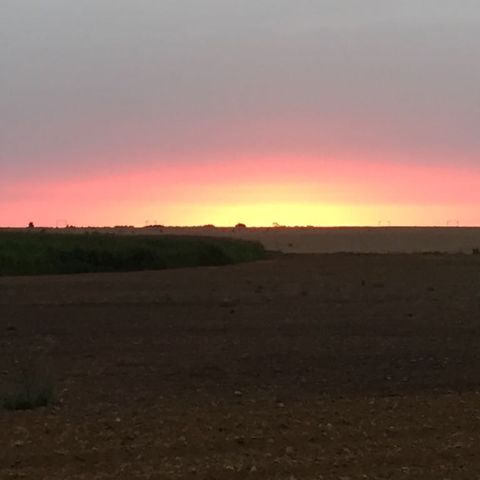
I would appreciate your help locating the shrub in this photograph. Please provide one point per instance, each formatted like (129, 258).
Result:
(33, 388)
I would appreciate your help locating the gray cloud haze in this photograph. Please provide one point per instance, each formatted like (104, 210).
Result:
(94, 84)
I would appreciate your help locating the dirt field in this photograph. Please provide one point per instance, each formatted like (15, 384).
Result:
(348, 239)
(297, 367)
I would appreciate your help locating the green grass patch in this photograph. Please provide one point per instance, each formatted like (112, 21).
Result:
(38, 253)
(32, 388)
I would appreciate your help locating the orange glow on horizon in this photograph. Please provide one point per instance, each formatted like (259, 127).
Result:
(258, 192)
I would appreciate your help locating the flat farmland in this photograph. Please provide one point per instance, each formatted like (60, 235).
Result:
(347, 239)
(415, 240)
(301, 366)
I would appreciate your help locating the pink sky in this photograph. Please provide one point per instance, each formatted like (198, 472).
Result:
(261, 191)
(187, 112)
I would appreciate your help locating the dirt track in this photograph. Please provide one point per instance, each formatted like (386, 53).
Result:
(306, 367)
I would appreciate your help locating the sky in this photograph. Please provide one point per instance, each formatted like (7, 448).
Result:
(305, 112)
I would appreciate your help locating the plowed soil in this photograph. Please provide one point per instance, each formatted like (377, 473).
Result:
(297, 367)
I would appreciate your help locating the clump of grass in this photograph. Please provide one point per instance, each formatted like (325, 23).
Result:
(31, 253)
(32, 388)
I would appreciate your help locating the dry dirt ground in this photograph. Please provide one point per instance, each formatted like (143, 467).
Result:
(297, 367)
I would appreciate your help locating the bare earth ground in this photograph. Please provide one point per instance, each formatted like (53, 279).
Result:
(297, 367)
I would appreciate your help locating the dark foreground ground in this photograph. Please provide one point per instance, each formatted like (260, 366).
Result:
(298, 367)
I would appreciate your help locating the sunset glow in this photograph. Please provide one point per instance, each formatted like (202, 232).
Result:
(299, 191)
(300, 113)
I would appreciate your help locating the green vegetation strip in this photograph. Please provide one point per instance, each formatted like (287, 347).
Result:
(32, 253)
